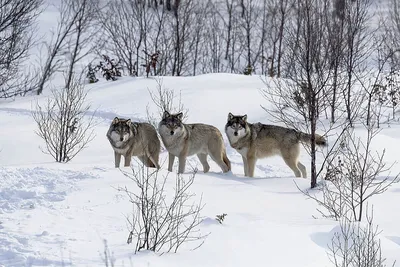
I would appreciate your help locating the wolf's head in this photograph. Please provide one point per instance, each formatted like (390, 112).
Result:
(236, 126)
(121, 130)
(171, 123)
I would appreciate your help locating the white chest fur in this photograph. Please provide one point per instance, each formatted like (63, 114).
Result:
(172, 143)
(121, 151)
(231, 135)
(243, 151)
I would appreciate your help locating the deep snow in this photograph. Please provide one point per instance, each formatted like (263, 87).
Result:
(60, 214)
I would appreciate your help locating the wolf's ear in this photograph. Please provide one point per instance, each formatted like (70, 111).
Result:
(244, 117)
(134, 127)
(179, 116)
(128, 122)
(115, 120)
(230, 116)
(166, 114)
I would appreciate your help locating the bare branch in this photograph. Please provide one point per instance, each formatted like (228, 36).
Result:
(61, 122)
(160, 223)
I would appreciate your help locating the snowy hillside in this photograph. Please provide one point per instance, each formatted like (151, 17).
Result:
(77, 213)
(59, 214)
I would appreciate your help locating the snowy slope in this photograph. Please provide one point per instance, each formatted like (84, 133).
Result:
(59, 214)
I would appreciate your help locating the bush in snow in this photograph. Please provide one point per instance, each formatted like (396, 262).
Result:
(353, 176)
(61, 123)
(159, 222)
(110, 68)
(91, 74)
(388, 92)
(165, 100)
(221, 217)
(356, 245)
(248, 70)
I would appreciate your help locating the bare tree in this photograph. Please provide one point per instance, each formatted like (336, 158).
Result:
(17, 19)
(356, 50)
(108, 258)
(392, 84)
(172, 6)
(336, 30)
(160, 40)
(165, 100)
(131, 29)
(278, 13)
(62, 124)
(303, 93)
(213, 42)
(184, 18)
(119, 32)
(353, 176)
(82, 33)
(198, 29)
(392, 31)
(227, 18)
(373, 84)
(228, 23)
(355, 245)
(250, 17)
(72, 13)
(159, 223)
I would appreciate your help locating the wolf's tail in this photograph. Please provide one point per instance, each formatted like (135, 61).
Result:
(148, 162)
(226, 160)
(319, 139)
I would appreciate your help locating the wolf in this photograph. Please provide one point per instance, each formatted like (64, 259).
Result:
(183, 140)
(129, 139)
(256, 141)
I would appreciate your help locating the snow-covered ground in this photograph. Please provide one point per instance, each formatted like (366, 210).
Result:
(60, 214)
(55, 214)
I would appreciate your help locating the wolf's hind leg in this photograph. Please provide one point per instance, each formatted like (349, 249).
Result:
(203, 161)
(146, 161)
(220, 161)
(117, 159)
(154, 160)
(292, 163)
(302, 169)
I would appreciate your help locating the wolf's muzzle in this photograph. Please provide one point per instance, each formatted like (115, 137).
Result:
(235, 133)
(172, 132)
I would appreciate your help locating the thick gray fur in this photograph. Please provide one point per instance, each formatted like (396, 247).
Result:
(183, 140)
(134, 139)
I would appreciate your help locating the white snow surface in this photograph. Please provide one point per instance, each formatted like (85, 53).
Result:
(54, 214)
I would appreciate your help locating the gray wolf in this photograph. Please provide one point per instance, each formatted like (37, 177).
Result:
(256, 141)
(183, 140)
(129, 139)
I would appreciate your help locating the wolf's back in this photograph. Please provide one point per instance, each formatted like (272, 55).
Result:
(149, 133)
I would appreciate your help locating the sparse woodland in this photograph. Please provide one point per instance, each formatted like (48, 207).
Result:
(327, 70)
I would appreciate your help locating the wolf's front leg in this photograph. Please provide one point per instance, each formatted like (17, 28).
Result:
(245, 166)
(128, 158)
(251, 165)
(182, 163)
(117, 159)
(171, 159)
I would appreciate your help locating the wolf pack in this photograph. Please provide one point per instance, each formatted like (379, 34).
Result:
(252, 141)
